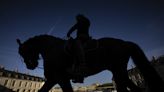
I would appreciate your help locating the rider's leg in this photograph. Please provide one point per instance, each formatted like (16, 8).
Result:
(80, 65)
(80, 52)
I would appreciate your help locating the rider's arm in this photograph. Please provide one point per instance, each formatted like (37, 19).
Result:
(73, 28)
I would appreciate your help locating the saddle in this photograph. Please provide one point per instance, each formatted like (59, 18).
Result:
(89, 45)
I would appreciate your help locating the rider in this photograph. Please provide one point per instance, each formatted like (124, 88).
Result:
(82, 28)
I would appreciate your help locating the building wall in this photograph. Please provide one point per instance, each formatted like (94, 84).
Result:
(19, 82)
(19, 85)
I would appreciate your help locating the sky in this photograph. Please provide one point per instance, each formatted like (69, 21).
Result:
(139, 21)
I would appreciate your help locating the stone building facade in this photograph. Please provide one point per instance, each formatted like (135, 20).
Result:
(13, 81)
(19, 82)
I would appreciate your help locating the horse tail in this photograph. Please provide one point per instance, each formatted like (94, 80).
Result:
(150, 75)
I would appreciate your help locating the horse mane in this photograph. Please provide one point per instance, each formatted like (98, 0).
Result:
(42, 37)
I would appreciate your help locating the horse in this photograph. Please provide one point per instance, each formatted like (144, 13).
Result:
(109, 54)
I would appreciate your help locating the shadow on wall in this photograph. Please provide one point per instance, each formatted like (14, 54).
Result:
(4, 89)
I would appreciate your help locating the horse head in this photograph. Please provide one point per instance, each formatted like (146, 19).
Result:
(29, 54)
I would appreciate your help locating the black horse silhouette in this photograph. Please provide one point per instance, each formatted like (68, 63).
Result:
(111, 54)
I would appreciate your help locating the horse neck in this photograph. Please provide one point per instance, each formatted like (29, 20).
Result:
(47, 44)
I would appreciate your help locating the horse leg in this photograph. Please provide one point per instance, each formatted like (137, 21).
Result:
(153, 81)
(132, 86)
(119, 80)
(66, 86)
(47, 86)
(129, 83)
(122, 75)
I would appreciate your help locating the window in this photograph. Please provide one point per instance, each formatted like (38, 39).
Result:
(17, 90)
(35, 85)
(9, 75)
(6, 81)
(13, 83)
(1, 73)
(25, 84)
(16, 75)
(20, 84)
(22, 77)
(32, 79)
(30, 84)
(23, 90)
(27, 78)
(36, 79)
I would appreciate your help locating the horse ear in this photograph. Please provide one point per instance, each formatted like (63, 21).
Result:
(19, 42)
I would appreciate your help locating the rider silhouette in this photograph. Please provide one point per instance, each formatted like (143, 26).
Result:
(82, 28)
